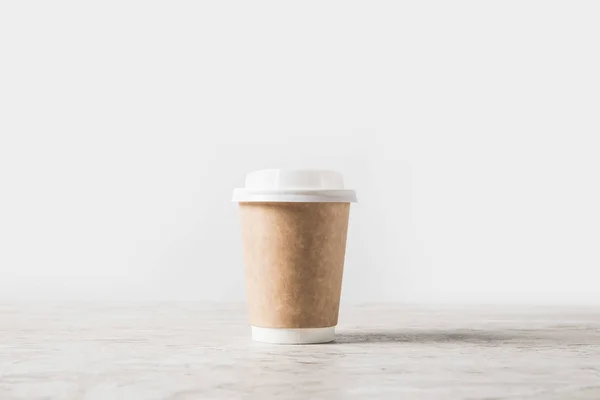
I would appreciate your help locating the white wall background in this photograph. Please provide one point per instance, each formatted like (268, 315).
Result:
(469, 129)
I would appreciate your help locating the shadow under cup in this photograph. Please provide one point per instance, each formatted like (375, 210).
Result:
(294, 261)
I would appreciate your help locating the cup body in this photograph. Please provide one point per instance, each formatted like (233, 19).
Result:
(294, 260)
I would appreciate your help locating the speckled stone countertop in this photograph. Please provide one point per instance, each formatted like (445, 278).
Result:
(203, 351)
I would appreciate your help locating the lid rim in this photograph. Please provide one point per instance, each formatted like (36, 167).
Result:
(280, 185)
(300, 196)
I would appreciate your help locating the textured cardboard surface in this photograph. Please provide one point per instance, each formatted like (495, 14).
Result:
(294, 260)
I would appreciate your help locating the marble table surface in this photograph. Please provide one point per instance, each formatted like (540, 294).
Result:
(203, 351)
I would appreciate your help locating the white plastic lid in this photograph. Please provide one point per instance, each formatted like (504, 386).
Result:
(296, 185)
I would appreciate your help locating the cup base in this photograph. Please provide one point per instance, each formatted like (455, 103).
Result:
(293, 336)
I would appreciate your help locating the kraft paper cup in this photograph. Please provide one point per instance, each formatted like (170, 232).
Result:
(294, 227)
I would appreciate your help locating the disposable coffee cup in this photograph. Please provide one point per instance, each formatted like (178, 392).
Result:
(294, 227)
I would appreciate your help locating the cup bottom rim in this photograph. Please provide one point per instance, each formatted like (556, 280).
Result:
(293, 335)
